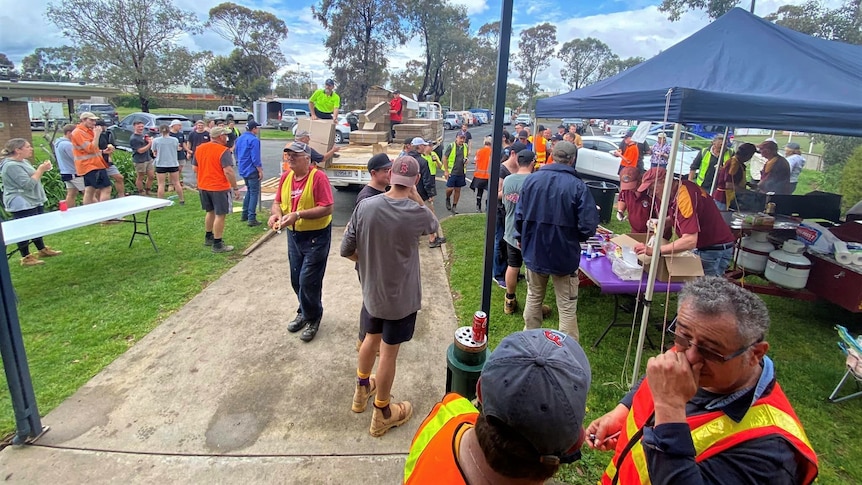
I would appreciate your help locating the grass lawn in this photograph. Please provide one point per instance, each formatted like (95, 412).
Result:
(81, 310)
(276, 135)
(803, 341)
(803, 140)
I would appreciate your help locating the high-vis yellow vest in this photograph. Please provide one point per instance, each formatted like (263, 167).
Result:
(306, 201)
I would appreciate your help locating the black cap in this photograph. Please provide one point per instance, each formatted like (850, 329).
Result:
(330, 82)
(517, 147)
(526, 156)
(379, 162)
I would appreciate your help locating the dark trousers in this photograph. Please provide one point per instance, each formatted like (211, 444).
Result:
(24, 246)
(500, 263)
(308, 252)
(321, 115)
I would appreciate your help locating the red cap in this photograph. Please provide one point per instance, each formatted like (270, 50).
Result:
(629, 178)
(651, 176)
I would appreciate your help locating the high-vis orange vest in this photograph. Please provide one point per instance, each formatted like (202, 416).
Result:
(85, 149)
(712, 433)
(541, 147)
(432, 458)
(483, 159)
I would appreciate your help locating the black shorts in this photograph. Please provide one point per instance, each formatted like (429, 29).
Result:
(167, 169)
(218, 201)
(394, 331)
(97, 178)
(514, 259)
(322, 115)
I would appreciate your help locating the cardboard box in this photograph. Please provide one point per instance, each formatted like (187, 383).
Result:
(322, 135)
(674, 268)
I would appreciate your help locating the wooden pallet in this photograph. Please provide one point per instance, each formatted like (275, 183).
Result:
(269, 186)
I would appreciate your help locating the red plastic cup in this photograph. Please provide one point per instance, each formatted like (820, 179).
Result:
(63, 206)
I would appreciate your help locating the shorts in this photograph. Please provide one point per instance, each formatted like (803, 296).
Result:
(73, 182)
(456, 181)
(394, 331)
(113, 170)
(478, 183)
(167, 169)
(97, 179)
(144, 167)
(216, 201)
(514, 258)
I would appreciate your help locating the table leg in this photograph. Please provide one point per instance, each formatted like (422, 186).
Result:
(615, 324)
(146, 224)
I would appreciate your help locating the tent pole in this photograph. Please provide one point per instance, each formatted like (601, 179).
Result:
(656, 257)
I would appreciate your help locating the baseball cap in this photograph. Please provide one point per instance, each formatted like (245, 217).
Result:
(565, 150)
(330, 82)
(298, 147)
(523, 134)
(218, 131)
(629, 134)
(769, 142)
(251, 125)
(379, 162)
(86, 115)
(396, 92)
(629, 178)
(556, 137)
(404, 171)
(517, 147)
(302, 133)
(793, 146)
(662, 134)
(536, 382)
(176, 122)
(419, 141)
(649, 178)
(526, 156)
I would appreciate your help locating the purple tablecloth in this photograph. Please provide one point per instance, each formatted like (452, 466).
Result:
(600, 272)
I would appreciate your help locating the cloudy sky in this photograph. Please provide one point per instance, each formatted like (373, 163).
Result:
(630, 28)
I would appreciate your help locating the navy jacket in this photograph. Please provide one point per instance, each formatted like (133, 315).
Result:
(555, 213)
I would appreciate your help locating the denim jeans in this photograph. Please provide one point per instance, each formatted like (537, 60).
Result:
(715, 262)
(500, 264)
(252, 196)
(308, 252)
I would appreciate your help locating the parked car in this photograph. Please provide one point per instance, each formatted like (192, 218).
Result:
(290, 117)
(124, 129)
(579, 123)
(523, 119)
(596, 162)
(342, 129)
(481, 118)
(452, 120)
(106, 111)
(224, 112)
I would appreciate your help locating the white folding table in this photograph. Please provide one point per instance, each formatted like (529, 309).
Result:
(17, 230)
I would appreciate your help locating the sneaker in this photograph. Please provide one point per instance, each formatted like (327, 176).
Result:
(436, 243)
(182, 202)
(448, 204)
(546, 311)
(47, 252)
(510, 306)
(222, 248)
(209, 241)
(454, 209)
(441, 239)
(31, 260)
(500, 282)
(399, 413)
(243, 218)
(362, 394)
(310, 331)
(253, 223)
(296, 324)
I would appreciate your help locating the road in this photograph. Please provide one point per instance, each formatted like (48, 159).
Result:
(272, 150)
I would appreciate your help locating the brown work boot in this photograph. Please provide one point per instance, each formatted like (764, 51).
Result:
(31, 260)
(362, 394)
(546, 311)
(47, 252)
(395, 414)
(510, 306)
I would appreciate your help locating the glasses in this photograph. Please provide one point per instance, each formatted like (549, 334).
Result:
(683, 343)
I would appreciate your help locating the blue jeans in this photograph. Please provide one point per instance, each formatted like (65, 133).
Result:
(308, 252)
(252, 196)
(500, 264)
(715, 262)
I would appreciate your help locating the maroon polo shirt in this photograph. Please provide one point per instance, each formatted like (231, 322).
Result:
(695, 212)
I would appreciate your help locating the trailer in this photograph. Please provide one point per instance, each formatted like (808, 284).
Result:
(45, 114)
(269, 112)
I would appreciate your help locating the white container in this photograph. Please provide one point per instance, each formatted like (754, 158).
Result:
(754, 252)
(787, 267)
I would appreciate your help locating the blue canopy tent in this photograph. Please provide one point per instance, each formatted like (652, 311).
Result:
(740, 70)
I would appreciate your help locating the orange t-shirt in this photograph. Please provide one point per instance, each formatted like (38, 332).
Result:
(630, 156)
(211, 161)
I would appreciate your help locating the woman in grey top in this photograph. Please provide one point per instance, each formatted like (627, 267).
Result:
(167, 164)
(23, 194)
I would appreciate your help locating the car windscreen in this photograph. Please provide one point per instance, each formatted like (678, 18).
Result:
(102, 108)
(186, 124)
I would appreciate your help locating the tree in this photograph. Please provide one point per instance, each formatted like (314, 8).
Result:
(714, 8)
(360, 35)
(236, 76)
(51, 64)
(294, 84)
(583, 59)
(254, 32)
(531, 58)
(126, 41)
(410, 79)
(615, 65)
(814, 18)
(515, 96)
(851, 180)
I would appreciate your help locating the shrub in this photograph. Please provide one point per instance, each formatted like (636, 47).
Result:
(851, 180)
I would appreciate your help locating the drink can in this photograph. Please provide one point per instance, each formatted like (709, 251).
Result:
(480, 326)
(63, 205)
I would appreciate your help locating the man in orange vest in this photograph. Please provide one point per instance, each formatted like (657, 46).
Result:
(213, 163)
(710, 409)
(481, 175)
(533, 394)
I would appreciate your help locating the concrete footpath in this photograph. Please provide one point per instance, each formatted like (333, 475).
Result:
(222, 393)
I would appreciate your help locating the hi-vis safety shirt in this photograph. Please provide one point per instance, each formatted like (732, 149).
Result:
(712, 433)
(306, 201)
(432, 454)
(85, 149)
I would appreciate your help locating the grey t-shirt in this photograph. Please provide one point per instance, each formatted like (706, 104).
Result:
(136, 142)
(511, 191)
(165, 148)
(383, 233)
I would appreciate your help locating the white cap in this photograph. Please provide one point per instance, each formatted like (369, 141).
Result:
(176, 122)
(419, 141)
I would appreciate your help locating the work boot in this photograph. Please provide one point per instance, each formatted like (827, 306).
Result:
(362, 394)
(243, 218)
(310, 331)
(31, 260)
(209, 240)
(395, 414)
(437, 242)
(510, 306)
(221, 248)
(47, 252)
(296, 324)
(448, 204)
(253, 223)
(546, 311)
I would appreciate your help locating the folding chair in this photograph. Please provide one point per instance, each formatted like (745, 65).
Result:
(853, 349)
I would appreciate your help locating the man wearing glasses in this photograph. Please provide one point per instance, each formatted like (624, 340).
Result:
(303, 206)
(214, 167)
(710, 409)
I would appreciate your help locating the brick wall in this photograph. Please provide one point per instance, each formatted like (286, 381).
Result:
(15, 120)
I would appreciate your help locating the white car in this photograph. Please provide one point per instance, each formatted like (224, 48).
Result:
(523, 119)
(342, 129)
(596, 161)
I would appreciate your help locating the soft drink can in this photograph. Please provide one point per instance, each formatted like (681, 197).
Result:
(63, 205)
(480, 326)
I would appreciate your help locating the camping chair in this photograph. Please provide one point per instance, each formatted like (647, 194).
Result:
(853, 349)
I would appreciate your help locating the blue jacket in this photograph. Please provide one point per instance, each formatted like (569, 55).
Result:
(555, 213)
(247, 154)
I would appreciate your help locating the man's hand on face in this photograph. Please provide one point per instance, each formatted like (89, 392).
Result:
(673, 382)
